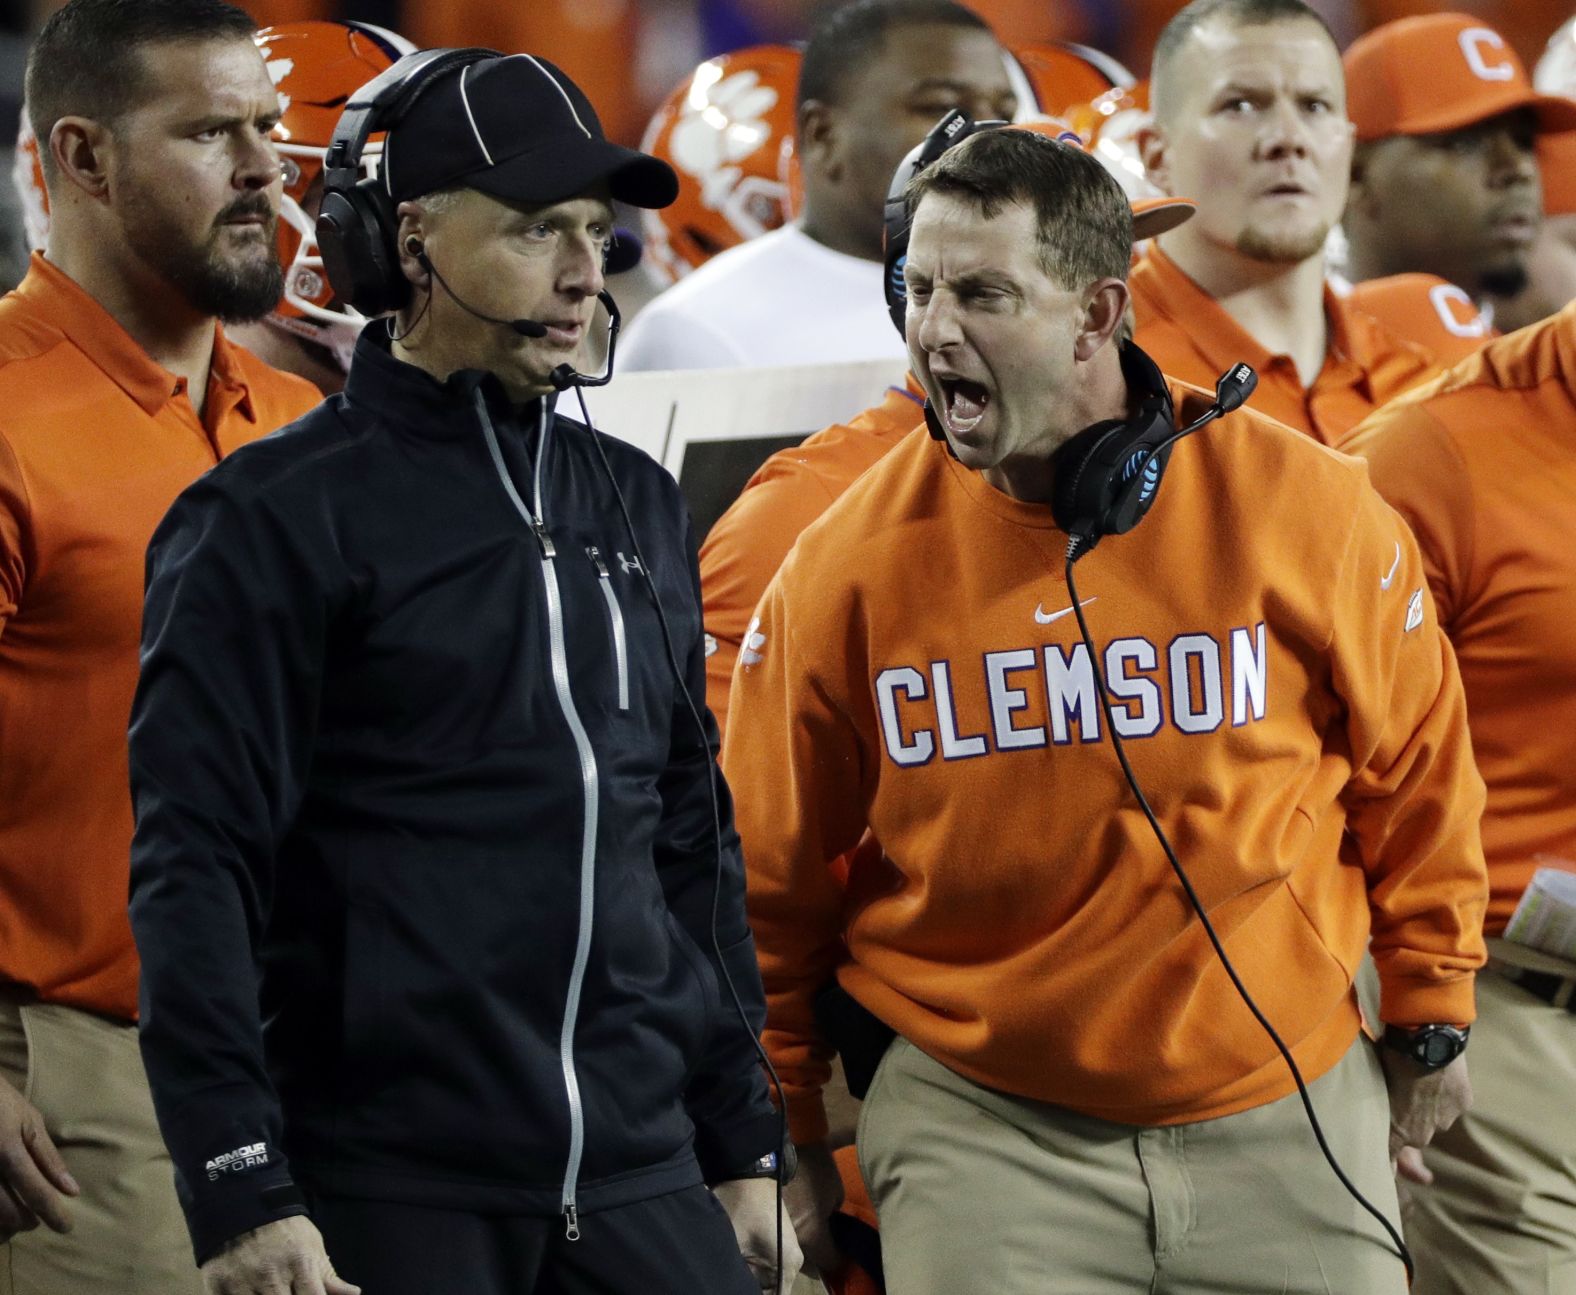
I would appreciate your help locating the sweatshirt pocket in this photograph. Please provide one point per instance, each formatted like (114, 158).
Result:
(615, 618)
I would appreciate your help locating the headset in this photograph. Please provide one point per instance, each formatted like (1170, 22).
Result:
(1107, 477)
(357, 223)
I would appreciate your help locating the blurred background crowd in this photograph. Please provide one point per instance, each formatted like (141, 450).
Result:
(628, 54)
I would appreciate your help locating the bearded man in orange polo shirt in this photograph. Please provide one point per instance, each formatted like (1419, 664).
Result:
(119, 390)
(1250, 118)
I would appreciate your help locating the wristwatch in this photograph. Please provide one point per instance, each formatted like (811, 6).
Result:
(771, 1165)
(1430, 1046)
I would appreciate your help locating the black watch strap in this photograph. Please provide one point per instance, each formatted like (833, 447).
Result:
(1430, 1046)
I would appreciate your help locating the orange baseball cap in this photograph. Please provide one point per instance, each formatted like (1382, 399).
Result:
(1440, 72)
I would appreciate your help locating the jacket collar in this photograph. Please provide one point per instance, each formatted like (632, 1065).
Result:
(402, 393)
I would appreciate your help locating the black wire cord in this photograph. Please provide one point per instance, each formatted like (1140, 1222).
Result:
(1074, 546)
(716, 824)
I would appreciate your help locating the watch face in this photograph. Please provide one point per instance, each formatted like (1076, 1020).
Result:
(1438, 1049)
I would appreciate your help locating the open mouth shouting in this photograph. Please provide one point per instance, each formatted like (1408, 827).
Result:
(964, 402)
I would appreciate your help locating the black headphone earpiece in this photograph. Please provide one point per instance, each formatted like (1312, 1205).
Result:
(1107, 476)
(415, 247)
(357, 229)
(956, 126)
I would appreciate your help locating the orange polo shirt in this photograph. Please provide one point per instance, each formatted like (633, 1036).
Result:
(788, 492)
(96, 442)
(1438, 315)
(1191, 337)
(1287, 699)
(1482, 464)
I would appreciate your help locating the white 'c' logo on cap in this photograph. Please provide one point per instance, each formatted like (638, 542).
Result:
(1475, 41)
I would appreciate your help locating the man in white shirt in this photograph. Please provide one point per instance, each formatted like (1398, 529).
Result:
(877, 75)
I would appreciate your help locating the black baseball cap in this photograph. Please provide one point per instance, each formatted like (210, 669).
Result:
(517, 128)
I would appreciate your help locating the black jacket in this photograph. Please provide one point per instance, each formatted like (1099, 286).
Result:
(415, 773)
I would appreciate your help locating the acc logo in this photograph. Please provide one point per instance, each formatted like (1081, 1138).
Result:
(720, 130)
(1414, 612)
(754, 641)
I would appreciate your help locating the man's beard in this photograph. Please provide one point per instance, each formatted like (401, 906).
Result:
(1508, 280)
(1291, 247)
(238, 288)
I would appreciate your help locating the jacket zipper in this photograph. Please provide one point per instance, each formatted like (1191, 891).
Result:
(616, 617)
(589, 781)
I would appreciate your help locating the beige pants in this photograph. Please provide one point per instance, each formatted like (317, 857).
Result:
(982, 1192)
(1500, 1218)
(84, 1073)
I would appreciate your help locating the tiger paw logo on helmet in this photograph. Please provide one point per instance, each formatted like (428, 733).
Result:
(728, 133)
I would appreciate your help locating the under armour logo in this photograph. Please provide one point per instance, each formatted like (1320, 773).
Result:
(628, 564)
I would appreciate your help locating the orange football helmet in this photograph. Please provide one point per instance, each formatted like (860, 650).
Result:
(1111, 122)
(27, 173)
(316, 67)
(728, 131)
(1064, 75)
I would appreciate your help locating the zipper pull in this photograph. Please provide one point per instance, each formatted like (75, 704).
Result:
(571, 1223)
(595, 555)
(543, 538)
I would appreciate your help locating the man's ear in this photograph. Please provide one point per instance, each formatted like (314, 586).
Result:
(1103, 314)
(819, 139)
(1151, 142)
(81, 150)
(1359, 196)
(411, 243)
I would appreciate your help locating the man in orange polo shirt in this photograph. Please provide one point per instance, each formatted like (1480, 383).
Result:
(1249, 108)
(1481, 465)
(119, 390)
(1445, 176)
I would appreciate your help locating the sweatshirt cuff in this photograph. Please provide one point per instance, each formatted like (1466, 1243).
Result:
(221, 1217)
(725, 1152)
(1409, 1003)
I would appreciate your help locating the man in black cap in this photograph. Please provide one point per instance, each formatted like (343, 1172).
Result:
(447, 980)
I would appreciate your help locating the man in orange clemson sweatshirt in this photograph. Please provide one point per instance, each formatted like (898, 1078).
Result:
(1076, 1099)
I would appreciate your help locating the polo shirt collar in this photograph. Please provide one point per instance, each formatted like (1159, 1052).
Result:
(66, 305)
(1351, 350)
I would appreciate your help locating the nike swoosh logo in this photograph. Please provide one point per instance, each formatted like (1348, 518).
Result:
(1045, 618)
(1386, 580)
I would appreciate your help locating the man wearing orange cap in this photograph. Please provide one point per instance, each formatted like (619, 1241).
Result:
(1481, 466)
(1444, 108)
(1249, 105)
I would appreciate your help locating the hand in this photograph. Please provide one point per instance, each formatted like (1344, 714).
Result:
(752, 1206)
(33, 1177)
(285, 1257)
(812, 1198)
(1422, 1103)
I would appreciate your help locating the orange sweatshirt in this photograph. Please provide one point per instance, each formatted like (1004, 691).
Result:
(1190, 336)
(1290, 706)
(1428, 310)
(96, 443)
(788, 492)
(1482, 464)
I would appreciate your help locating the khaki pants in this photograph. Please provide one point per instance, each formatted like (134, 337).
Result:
(978, 1191)
(84, 1073)
(1500, 1217)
